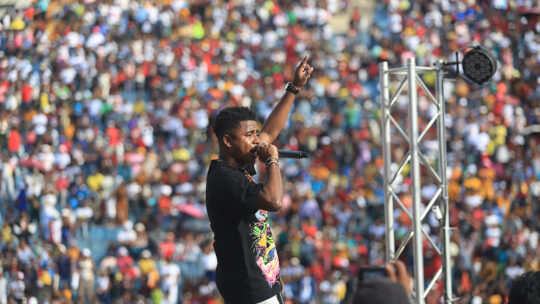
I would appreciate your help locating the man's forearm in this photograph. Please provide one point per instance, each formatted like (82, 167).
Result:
(275, 122)
(272, 191)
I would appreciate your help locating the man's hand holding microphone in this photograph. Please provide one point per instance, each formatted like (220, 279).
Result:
(268, 153)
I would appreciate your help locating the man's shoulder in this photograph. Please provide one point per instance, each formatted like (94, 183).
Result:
(217, 164)
(218, 167)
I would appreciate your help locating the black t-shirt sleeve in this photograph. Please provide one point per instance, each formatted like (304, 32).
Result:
(242, 191)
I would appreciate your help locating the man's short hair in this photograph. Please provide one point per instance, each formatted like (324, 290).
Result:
(525, 289)
(229, 119)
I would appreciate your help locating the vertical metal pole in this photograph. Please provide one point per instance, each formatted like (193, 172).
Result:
(388, 198)
(441, 131)
(415, 183)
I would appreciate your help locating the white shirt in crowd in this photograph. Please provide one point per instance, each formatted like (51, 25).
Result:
(84, 213)
(170, 273)
(126, 236)
(209, 261)
(3, 289)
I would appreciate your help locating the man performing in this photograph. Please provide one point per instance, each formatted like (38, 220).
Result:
(248, 265)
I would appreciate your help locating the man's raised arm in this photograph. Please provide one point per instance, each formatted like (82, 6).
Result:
(278, 116)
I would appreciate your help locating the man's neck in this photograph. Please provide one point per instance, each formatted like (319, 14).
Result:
(230, 160)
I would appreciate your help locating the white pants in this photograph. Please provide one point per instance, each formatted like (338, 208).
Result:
(272, 300)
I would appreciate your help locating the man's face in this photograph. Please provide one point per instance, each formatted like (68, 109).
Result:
(243, 141)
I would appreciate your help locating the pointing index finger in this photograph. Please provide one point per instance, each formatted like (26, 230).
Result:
(304, 60)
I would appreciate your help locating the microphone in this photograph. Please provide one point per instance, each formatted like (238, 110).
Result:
(292, 154)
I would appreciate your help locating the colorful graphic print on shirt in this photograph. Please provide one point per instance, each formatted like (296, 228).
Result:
(265, 248)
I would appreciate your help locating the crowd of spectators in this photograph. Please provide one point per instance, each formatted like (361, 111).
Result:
(105, 117)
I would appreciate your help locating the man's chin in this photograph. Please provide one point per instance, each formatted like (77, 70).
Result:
(250, 161)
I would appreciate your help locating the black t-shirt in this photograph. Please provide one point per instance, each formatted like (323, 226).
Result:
(248, 265)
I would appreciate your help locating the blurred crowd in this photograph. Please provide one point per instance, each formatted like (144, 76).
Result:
(105, 137)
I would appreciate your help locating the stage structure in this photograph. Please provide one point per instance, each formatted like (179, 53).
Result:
(413, 159)
(478, 65)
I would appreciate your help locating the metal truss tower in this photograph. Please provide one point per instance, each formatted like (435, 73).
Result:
(413, 160)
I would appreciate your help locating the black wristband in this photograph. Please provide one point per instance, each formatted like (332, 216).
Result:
(291, 88)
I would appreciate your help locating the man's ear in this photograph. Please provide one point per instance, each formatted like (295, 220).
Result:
(227, 140)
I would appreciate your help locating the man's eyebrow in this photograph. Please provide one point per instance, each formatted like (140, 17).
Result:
(252, 130)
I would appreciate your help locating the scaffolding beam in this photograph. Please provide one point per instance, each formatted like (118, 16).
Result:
(415, 158)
